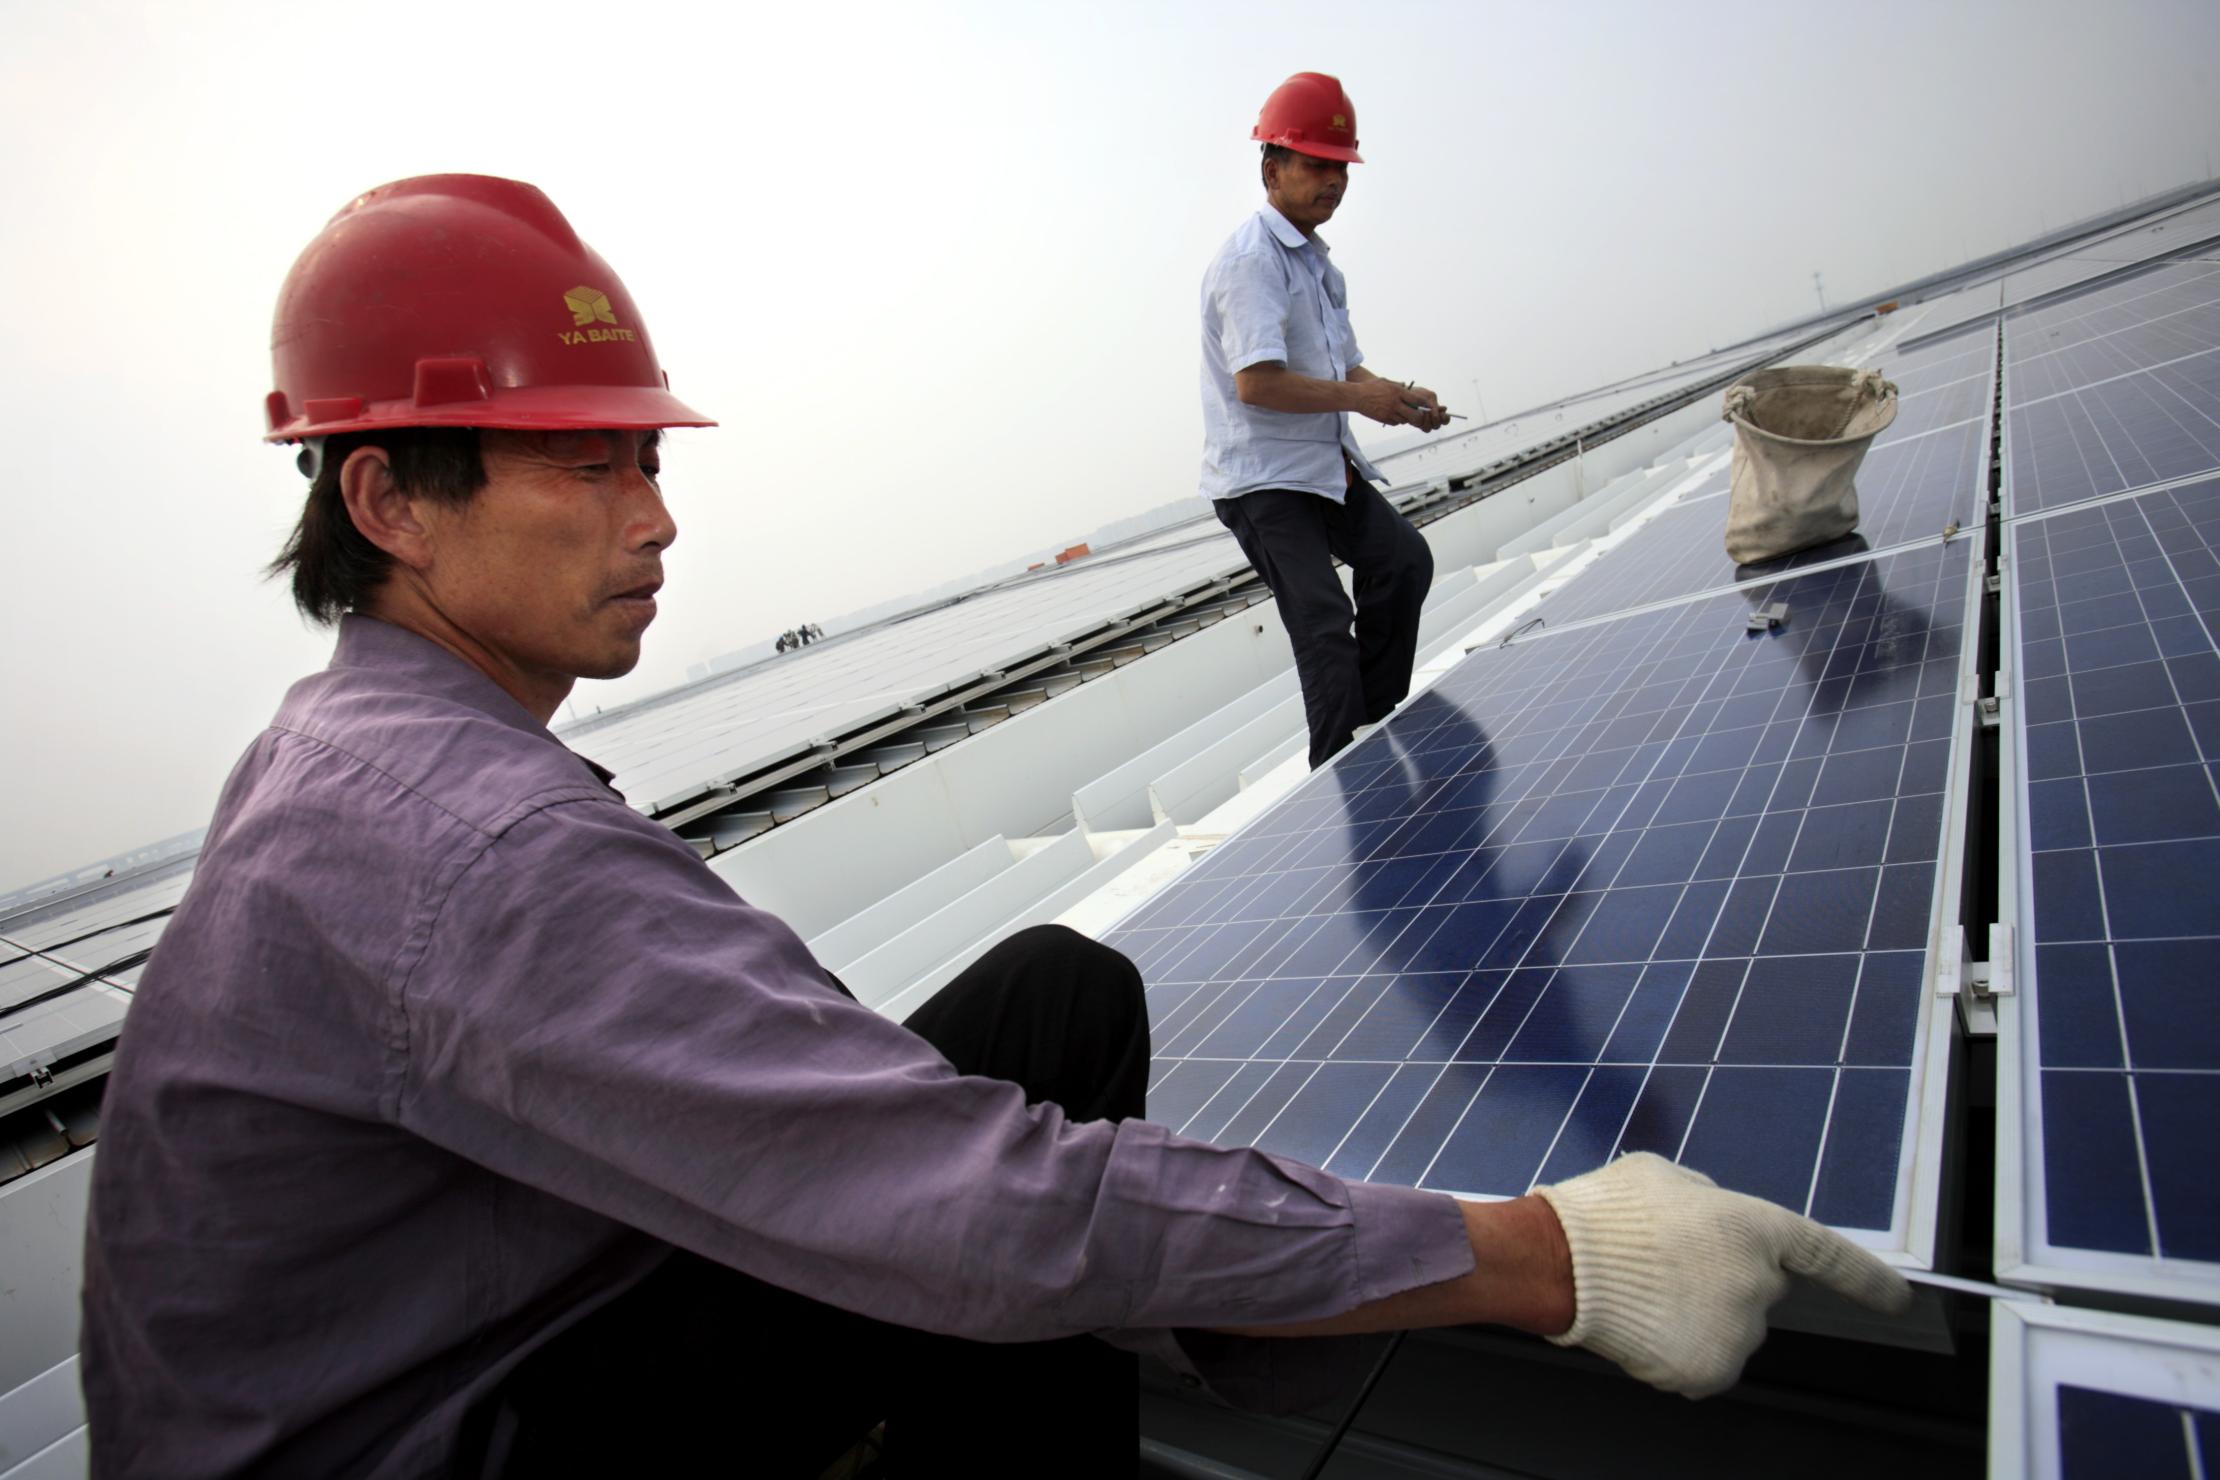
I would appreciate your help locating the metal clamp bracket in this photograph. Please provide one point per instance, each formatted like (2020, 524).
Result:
(1766, 618)
(1980, 984)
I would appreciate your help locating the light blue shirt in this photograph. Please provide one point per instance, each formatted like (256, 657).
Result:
(1272, 295)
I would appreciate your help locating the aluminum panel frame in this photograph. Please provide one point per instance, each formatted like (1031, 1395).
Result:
(2033, 1348)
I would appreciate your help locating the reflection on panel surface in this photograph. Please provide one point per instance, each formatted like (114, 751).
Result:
(1654, 884)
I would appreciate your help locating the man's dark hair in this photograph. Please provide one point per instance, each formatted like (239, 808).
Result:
(1272, 152)
(333, 568)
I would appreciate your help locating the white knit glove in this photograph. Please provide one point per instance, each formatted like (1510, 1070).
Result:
(1672, 1276)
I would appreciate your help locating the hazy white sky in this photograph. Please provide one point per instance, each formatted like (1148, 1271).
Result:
(933, 266)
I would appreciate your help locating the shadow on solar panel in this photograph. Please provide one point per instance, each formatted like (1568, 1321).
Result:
(1656, 884)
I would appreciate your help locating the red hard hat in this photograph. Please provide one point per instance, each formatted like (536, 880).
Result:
(460, 301)
(1310, 114)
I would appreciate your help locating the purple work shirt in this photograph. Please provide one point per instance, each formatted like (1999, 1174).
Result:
(446, 1045)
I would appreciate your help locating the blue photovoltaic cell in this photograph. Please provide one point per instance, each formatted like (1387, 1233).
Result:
(1657, 883)
(2101, 1435)
(2114, 389)
(2119, 682)
(1924, 474)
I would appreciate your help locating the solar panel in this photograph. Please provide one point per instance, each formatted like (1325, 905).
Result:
(2112, 1049)
(2080, 1393)
(2114, 389)
(1656, 883)
(1926, 474)
(2165, 235)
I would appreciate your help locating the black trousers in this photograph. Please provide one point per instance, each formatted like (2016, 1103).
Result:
(1293, 540)
(702, 1370)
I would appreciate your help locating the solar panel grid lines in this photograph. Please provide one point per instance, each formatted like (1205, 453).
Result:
(2167, 302)
(1648, 885)
(1952, 405)
(2115, 389)
(2112, 1046)
(1944, 362)
(2158, 344)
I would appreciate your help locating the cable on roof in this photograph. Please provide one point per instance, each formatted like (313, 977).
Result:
(1349, 1415)
(28, 952)
(121, 963)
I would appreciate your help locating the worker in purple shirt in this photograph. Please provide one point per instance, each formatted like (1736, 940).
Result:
(468, 1124)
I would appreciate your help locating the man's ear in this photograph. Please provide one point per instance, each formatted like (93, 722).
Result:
(382, 513)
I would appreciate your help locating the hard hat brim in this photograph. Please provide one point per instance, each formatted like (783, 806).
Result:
(554, 408)
(1315, 151)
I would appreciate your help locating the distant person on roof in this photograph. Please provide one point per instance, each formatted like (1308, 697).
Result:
(1281, 372)
(466, 1123)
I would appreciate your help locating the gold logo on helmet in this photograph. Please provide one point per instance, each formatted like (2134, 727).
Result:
(1341, 120)
(588, 306)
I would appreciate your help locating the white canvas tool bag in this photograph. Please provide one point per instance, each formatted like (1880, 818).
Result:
(1800, 432)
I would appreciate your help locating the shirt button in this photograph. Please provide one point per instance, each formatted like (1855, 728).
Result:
(1189, 1380)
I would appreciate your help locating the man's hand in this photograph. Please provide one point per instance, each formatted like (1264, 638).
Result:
(1393, 404)
(1428, 415)
(1274, 387)
(1672, 1276)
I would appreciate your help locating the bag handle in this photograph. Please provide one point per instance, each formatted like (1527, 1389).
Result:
(1864, 384)
(1870, 382)
(1867, 385)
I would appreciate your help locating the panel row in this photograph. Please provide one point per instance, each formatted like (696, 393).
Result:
(2115, 775)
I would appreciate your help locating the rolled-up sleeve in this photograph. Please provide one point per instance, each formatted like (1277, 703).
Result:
(1248, 301)
(593, 1013)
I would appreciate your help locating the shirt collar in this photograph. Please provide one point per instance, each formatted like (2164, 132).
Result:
(1286, 231)
(370, 642)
